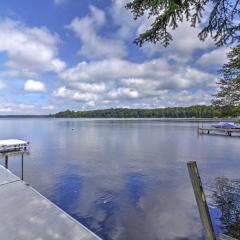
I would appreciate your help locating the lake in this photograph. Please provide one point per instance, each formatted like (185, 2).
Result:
(123, 179)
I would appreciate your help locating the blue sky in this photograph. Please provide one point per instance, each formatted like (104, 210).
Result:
(71, 54)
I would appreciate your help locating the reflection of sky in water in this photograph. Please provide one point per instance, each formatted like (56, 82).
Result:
(123, 179)
(215, 216)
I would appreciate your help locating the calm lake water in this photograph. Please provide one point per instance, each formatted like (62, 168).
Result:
(124, 179)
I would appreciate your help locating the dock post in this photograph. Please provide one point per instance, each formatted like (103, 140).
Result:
(6, 162)
(201, 200)
(22, 166)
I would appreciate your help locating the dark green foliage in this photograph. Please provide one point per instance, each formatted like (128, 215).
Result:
(229, 84)
(226, 197)
(177, 112)
(223, 23)
(226, 111)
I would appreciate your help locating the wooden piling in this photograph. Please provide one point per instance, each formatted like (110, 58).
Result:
(22, 166)
(6, 161)
(201, 200)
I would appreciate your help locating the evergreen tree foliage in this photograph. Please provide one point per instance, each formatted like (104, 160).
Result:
(223, 23)
(229, 84)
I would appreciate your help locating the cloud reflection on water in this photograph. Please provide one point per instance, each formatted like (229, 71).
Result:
(125, 180)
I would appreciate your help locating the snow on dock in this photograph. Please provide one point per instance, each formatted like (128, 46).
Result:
(27, 215)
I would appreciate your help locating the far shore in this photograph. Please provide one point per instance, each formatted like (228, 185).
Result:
(123, 119)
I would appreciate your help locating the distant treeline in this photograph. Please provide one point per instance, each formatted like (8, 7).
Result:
(199, 111)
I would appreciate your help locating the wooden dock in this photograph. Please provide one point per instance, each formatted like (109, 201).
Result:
(12, 145)
(27, 215)
(219, 131)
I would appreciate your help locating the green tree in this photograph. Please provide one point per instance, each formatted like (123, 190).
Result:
(229, 84)
(183, 112)
(223, 22)
(227, 100)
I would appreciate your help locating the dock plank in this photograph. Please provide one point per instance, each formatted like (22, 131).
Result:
(27, 215)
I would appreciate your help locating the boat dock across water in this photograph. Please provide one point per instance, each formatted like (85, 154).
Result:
(219, 131)
(221, 128)
(12, 145)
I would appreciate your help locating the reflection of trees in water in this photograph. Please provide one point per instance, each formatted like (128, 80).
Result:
(226, 197)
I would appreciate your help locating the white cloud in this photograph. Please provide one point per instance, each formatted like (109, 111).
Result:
(6, 110)
(111, 81)
(97, 16)
(95, 46)
(167, 76)
(185, 43)
(90, 87)
(12, 73)
(186, 98)
(75, 95)
(122, 92)
(124, 20)
(2, 84)
(11, 107)
(215, 57)
(116, 81)
(185, 38)
(29, 49)
(34, 86)
(59, 2)
(107, 78)
(48, 107)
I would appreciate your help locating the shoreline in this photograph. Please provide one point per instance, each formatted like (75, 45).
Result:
(124, 119)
